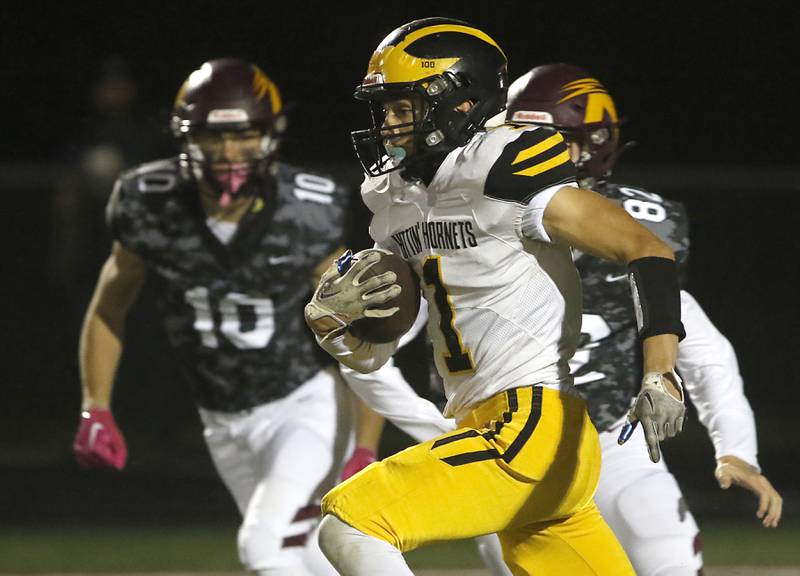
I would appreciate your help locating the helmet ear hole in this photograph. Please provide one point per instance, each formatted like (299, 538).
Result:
(600, 136)
(281, 124)
(268, 144)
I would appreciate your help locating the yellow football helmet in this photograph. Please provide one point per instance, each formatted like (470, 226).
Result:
(437, 63)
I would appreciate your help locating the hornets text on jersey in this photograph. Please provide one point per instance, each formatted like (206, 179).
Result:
(504, 308)
(233, 312)
(607, 365)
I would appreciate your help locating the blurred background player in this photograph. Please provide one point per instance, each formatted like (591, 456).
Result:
(233, 239)
(486, 219)
(113, 136)
(641, 500)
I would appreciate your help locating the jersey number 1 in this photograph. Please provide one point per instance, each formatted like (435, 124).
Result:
(458, 358)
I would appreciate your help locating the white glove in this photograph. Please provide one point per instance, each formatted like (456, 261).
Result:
(660, 413)
(342, 297)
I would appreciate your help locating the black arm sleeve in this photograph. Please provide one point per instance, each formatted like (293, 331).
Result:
(656, 296)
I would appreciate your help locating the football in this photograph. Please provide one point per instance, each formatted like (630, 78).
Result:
(382, 330)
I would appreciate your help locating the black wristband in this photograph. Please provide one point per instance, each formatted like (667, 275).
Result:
(656, 296)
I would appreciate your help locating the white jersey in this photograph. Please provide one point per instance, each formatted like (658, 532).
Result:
(505, 309)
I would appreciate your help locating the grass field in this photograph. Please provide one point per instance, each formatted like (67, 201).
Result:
(211, 550)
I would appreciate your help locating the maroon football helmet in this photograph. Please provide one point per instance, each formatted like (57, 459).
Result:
(576, 104)
(228, 95)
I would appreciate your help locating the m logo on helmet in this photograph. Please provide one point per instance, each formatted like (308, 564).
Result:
(598, 101)
(263, 86)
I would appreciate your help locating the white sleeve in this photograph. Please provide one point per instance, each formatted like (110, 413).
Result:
(356, 353)
(708, 365)
(386, 392)
(532, 225)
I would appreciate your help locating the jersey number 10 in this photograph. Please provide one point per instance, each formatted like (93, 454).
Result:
(246, 322)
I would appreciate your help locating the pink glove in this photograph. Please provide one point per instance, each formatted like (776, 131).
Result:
(99, 443)
(361, 458)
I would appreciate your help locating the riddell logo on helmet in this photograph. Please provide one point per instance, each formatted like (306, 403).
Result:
(371, 79)
(532, 116)
(227, 115)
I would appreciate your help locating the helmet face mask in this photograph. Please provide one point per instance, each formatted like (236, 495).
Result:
(438, 64)
(227, 159)
(404, 129)
(228, 119)
(570, 100)
(383, 146)
(596, 150)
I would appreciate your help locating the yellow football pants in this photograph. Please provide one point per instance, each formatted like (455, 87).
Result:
(523, 464)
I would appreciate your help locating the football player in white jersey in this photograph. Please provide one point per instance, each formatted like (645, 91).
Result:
(631, 488)
(487, 218)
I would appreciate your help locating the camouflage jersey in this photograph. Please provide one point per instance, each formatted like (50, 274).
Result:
(607, 365)
(233, 312)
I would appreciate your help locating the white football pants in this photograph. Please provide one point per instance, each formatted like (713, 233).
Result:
(277, 460)
(643, 504)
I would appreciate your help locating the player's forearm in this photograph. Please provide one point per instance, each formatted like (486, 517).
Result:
(645, 244)
(100, 351)
(639, 243)
(355, 353)
(733, 433)
(118, 286)
(717, 394)
(369, 426)
(708, 363)
(660, 353)
(387, 393)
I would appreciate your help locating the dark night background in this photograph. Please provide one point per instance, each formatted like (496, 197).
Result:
(708, 93)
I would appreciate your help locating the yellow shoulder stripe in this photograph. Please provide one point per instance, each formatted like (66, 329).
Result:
(536, 149)
(546, 165)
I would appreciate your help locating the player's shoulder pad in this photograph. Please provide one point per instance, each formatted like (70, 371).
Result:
(374, 191)
(311, 186)
(528, 160)
(159, 177)
(137, 187)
